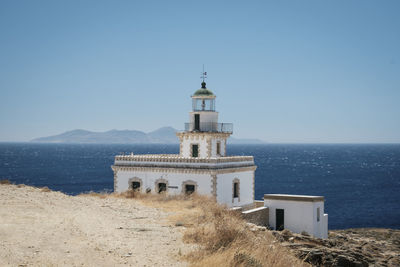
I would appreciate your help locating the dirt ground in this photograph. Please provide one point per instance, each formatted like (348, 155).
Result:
(39, 228)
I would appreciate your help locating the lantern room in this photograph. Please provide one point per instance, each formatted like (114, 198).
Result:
(203, 99)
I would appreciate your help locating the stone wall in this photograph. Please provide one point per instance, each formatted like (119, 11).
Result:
(258, 216)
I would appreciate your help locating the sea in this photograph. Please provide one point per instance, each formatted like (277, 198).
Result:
(360, 182)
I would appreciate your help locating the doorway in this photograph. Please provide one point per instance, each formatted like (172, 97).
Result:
(197, 122)
(280, 219)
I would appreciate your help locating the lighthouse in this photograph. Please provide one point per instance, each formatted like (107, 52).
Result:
(202, 165)
(204, 136)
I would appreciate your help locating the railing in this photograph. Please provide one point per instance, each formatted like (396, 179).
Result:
(209, 127)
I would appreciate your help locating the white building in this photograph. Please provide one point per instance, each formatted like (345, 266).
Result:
(201, 166)
(298, 214)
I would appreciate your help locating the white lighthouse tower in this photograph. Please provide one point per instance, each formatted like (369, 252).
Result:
(204, 136)
(202, 166)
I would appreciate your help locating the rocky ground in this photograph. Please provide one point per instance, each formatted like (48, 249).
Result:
(39, 227)
(352, 247)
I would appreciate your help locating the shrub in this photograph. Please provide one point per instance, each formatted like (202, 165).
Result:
(45, 189)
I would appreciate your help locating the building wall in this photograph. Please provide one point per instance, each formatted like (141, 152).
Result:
(299, 216)
(214, 147)
(186, 145)
(203, 181)
(205, 116)
(321, 227)
(225, 188)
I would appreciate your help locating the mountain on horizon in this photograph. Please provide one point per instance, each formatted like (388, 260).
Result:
(163, 135)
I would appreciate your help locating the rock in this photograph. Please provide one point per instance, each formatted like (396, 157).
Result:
(179, 224)
(346, 261)
(354, 247)
(315, 257)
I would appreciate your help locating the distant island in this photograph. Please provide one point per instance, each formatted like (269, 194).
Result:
(164, 135)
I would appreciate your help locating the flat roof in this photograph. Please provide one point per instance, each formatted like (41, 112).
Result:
(294, 197)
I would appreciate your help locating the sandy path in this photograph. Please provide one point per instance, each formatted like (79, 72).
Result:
(52, 229)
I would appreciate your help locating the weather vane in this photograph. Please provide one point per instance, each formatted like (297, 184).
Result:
(203, 74)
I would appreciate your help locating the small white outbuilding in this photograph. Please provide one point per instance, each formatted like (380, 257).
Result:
(297, 213)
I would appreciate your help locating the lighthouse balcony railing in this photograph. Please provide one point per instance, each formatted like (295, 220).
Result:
(209, 127)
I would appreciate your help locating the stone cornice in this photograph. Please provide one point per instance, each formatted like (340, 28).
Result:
(182, 165)
(176, 158)
(302, 198)
(202, 134)
(184, 170)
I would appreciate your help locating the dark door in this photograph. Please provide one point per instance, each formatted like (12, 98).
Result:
(195, 151)
(197, 122)
(280, 219)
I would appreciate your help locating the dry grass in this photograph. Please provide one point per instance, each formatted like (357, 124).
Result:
(226, 240)
(94, 194)
(223, 238)
(5, 181)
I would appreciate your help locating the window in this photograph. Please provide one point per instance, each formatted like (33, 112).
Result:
(195, 151)
(162, 187)
(318, 214)
(136, 186)
(218, 148)
(189, 189)
(235, 189)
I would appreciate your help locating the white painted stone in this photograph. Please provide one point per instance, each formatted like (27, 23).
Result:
(225, 188)
(187, 143)
(299, 215)
(175, 181)
(205, 116)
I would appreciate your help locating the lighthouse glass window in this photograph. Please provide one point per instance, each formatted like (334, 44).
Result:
(201, 104)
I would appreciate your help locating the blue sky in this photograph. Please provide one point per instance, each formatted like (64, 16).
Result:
(283, 71)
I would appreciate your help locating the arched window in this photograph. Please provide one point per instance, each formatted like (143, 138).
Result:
(189, 187)
(218, 148)
(161, 185)
(235, 189)
(135, 184)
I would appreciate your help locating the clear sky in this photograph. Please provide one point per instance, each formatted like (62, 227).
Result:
(283, 71)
